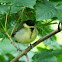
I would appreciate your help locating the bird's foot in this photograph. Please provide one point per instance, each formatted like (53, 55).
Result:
(31, 45)
(18, 47)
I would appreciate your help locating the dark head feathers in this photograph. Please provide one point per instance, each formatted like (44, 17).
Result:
(30, 22)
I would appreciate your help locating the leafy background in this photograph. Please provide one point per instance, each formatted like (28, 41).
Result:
(47, 14)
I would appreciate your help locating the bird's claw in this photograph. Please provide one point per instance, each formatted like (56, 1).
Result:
(31, 45)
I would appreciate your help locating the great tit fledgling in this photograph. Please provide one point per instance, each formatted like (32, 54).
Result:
(27, 33)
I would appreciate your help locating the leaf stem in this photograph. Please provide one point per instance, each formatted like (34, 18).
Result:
(6, 21)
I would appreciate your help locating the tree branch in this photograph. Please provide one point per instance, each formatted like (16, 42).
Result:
(36, 43)
(27, 58)
(12, 41)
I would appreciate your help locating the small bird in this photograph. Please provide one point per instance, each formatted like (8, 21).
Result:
(27, 33)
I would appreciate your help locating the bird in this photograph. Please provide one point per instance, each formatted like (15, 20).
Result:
(27, 33)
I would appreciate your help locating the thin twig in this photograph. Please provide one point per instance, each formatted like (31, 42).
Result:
(17, 22)
(27, 58)
(34, 44)
(6, 20)
(12, 41)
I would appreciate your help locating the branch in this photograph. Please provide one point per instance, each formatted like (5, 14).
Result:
(27, 58)
(12, 41)
(36, 43)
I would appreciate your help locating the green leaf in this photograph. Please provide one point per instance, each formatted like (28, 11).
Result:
(45, 10)
(2, 58)
(52, 44)
(28, 14)
(41, 49)
(52, 59)
(47, 56)
(4, 1)
(55, 0)
(59, 15)
(2, 35)
(15, 9)
(4, 9)
(59, 58)
(10, 56)
(59, 8)
(6, 47)
(25, 3)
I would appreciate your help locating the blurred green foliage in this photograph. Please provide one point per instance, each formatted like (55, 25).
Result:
(43, 12)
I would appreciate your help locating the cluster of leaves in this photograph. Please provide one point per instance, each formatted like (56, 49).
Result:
(43, 12)
(48, 56)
